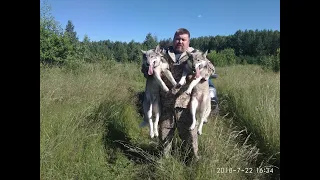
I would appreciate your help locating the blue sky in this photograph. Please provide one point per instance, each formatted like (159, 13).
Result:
(126, 20)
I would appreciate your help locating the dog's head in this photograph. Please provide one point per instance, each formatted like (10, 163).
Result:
(152, 58)
(197, 61)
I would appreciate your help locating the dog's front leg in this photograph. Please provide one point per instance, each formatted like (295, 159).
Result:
(183, 79)
(160, 81)
(168, 74)
(192, 84)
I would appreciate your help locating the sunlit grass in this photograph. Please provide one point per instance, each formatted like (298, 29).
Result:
(89, 129)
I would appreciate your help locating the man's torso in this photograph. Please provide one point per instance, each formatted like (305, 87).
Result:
(176, 97)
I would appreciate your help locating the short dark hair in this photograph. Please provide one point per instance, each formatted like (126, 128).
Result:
(182, 31)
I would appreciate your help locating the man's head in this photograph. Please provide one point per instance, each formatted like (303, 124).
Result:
(181, 40)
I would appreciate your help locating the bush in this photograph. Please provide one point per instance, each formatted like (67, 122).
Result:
(225, 57)
(271, 62)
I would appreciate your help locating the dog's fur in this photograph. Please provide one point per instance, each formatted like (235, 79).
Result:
(202, 68)
(154, 59)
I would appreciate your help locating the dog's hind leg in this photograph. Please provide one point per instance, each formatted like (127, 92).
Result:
(202, 119)
(204, 111)
(208, 110)
(145, 106)
(144, 122)
(149, 114)
(156, 109)
(193, 108)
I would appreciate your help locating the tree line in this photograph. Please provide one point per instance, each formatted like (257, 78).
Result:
(58, 46)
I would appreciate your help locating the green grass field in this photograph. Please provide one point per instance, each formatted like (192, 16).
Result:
(89, 126)
(252, 97)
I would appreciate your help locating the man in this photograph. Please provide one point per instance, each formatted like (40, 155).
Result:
(175, 112)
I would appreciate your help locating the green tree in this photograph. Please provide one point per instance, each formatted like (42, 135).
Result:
(70, 32)
(165, 43)
(85, 51)
(47, 20)
(134, 53)
(54, 49)
(120, 52)
(260, 48)
(238, 42)
(150, 42)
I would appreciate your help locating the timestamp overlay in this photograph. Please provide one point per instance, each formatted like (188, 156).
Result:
(248, 170)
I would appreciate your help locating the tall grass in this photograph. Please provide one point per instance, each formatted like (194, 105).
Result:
(89, 118)
(71, 143)
(252, 96)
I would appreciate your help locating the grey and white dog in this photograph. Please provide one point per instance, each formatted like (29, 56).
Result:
(156, 63)
(201, 68)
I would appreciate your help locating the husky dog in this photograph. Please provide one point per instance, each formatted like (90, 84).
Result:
(201, 68)
(154, 59)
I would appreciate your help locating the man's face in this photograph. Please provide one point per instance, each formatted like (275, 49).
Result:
(181, 43)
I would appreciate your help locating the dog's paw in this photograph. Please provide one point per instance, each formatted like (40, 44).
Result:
(188, 91)
(199, 132)
(182, 82)
(174, 84)
(197, 158)
(166, 89)
(178, 86)
(156, 134)
(152, 135)
(192, 126)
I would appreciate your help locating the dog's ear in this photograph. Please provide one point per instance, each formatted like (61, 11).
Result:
(162, 52)
(205, 54)
(158, 50)
(144, 52)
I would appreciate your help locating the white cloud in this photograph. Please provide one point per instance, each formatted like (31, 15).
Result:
(199, 16)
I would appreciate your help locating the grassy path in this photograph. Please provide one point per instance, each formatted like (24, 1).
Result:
(89, 130)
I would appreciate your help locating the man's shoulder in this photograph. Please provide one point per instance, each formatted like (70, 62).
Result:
(192, 50)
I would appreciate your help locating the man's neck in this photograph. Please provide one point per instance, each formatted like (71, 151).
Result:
(178, 56)
(176, 52)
